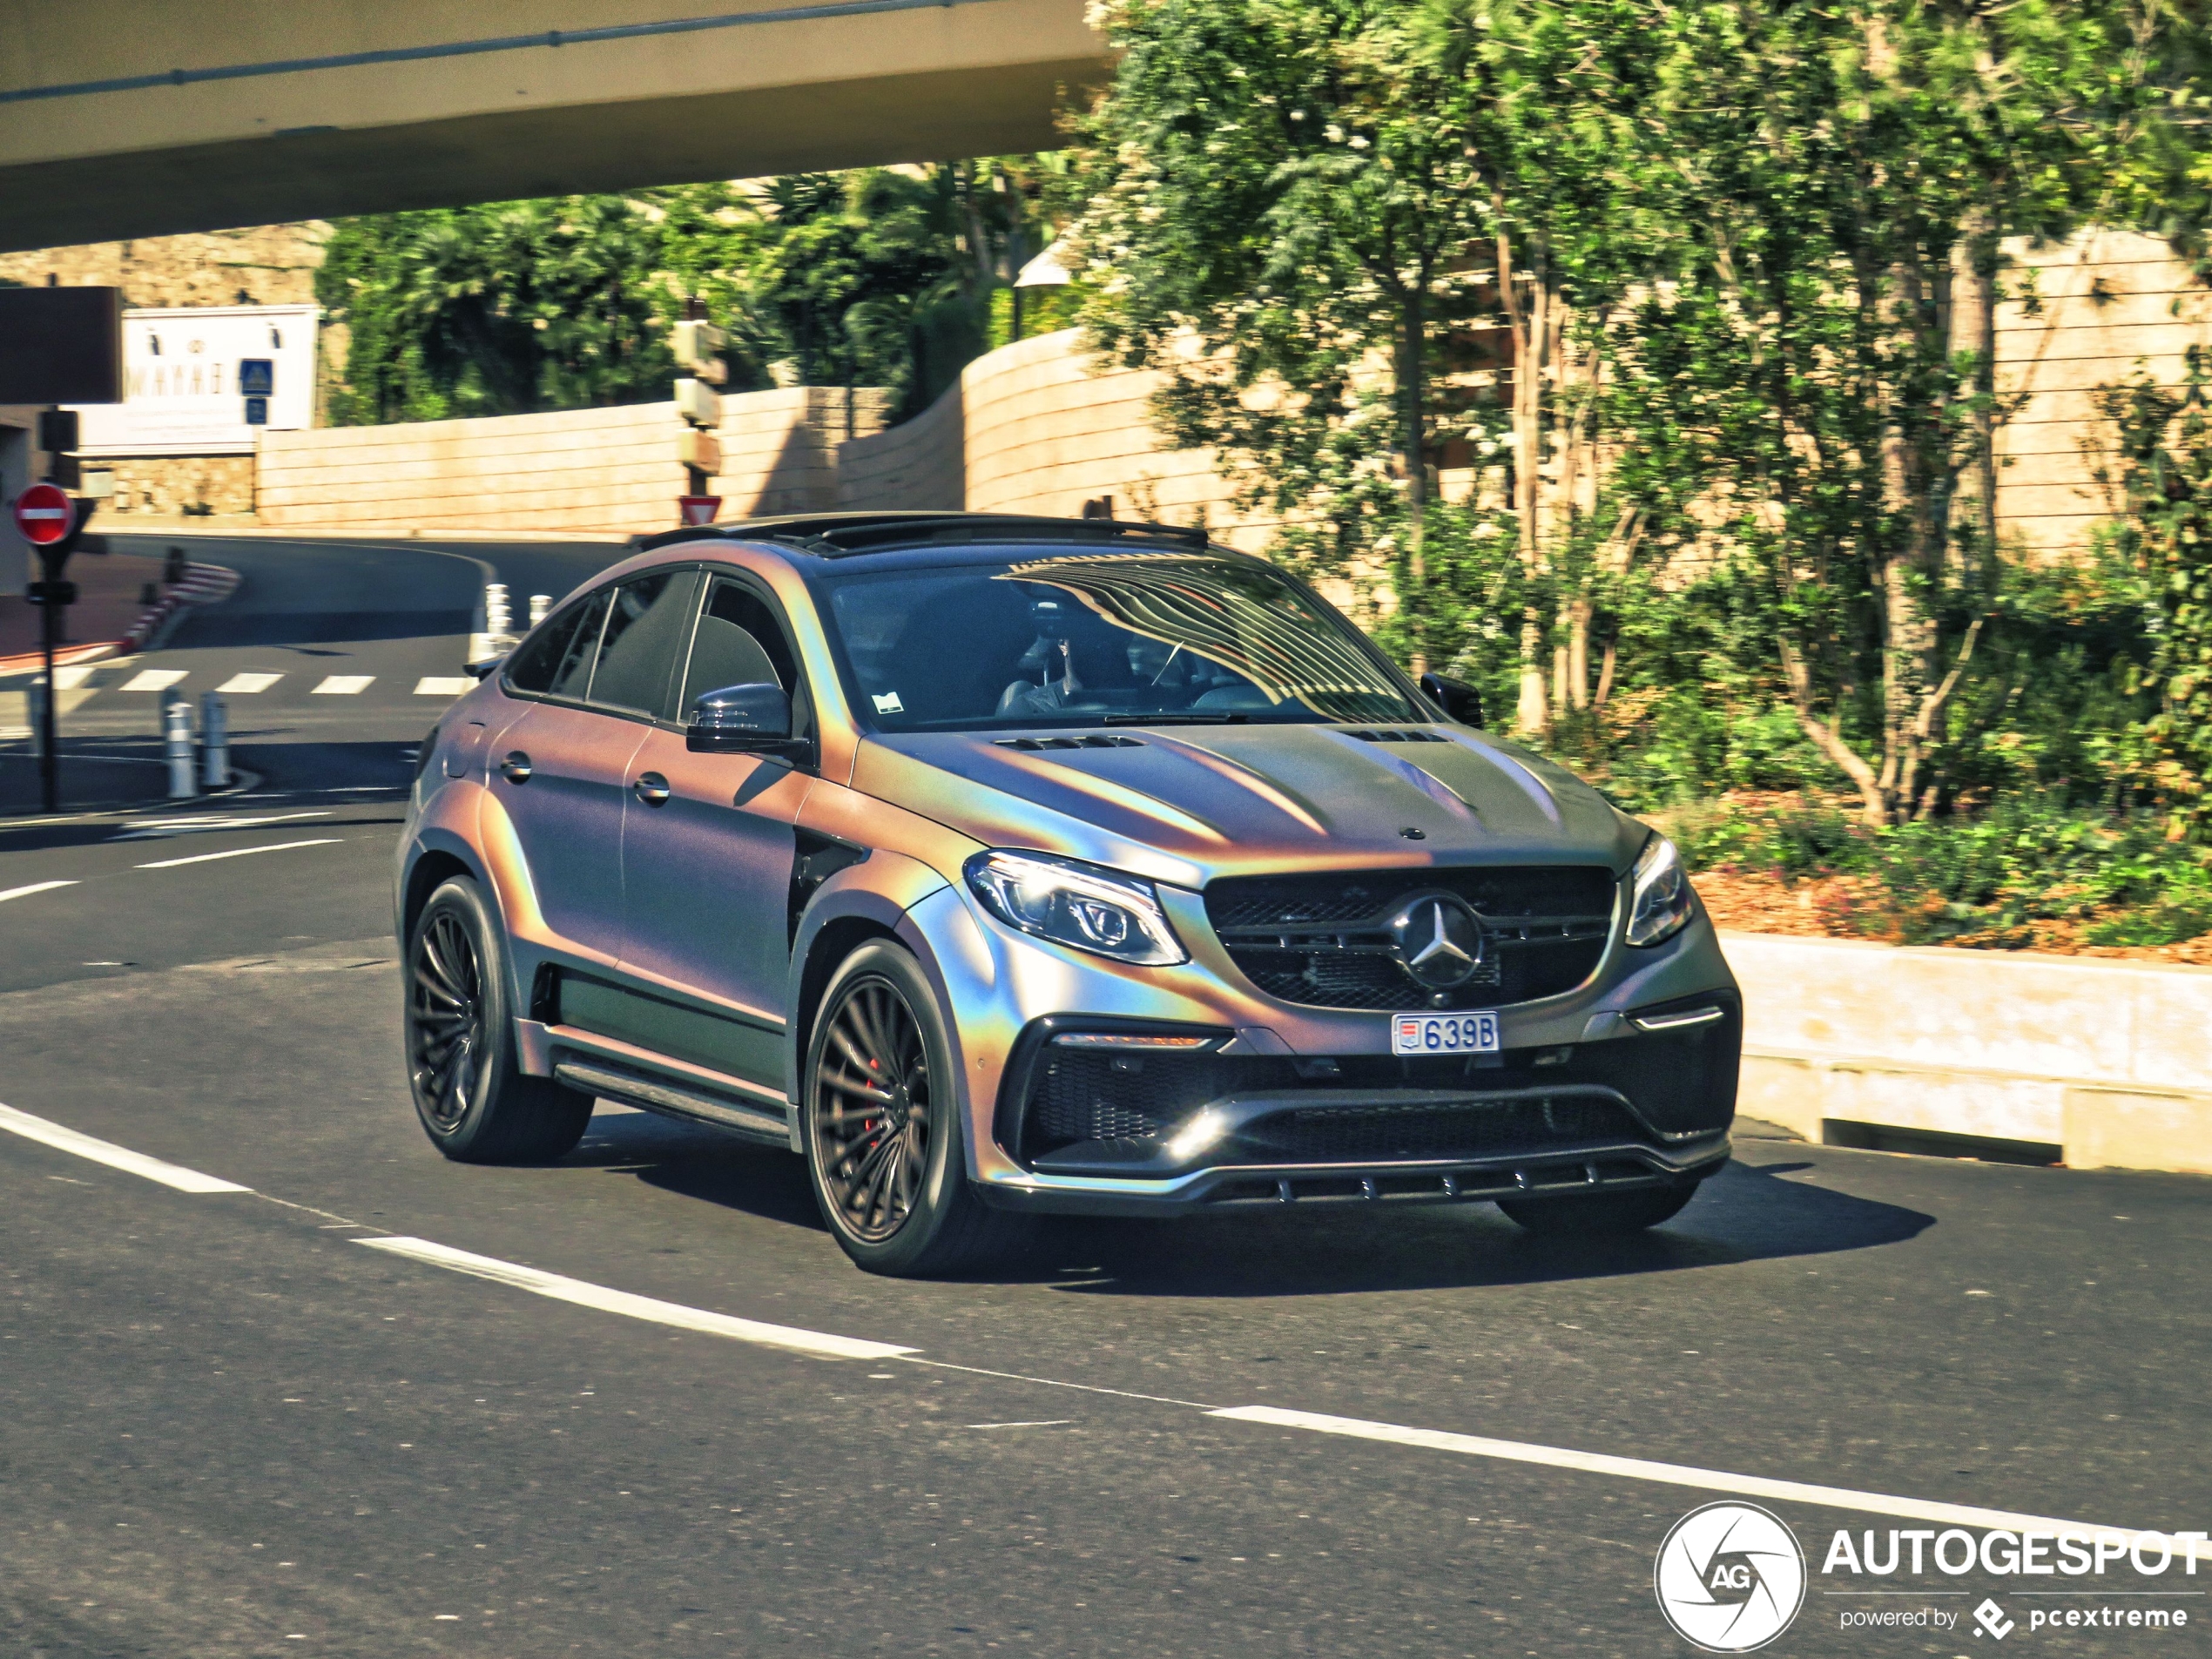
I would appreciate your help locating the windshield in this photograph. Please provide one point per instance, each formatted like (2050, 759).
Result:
(1100, 639)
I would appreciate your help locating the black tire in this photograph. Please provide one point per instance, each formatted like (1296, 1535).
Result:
(476, 1102)
(886, 1148)
(1608, 1214)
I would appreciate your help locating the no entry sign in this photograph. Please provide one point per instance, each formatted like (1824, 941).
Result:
(44, 514)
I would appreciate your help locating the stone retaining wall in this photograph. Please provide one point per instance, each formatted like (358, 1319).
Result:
(2097, 1063)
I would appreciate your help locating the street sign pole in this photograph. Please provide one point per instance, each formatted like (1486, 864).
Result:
(51, 522)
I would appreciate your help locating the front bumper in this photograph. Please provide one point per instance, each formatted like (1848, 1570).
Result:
(1096, 1122)
(1595, 1168)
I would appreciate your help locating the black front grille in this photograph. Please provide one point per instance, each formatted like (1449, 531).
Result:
(1323, 941)
(1477, 1129)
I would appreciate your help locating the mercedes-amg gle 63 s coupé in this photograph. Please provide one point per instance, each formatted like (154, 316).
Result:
(1001, 866)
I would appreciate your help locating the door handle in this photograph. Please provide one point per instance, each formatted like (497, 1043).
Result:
(516, 768)
(652, 789)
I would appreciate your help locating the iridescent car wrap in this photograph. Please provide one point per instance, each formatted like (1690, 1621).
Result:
(872, 841)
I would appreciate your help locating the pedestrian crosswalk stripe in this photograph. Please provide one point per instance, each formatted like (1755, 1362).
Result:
(436, 685)
(344, 686)
(246, 685)
(153, 679)
(70, 678)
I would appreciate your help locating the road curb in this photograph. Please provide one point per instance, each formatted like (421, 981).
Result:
(203, 585)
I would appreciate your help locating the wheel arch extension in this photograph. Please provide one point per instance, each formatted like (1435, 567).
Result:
(867, 900)
(433, 866)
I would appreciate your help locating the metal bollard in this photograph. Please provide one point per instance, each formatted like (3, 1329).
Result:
(540, 604)
(34, 707)
(175, 743)
(498, 617)
(214, 741)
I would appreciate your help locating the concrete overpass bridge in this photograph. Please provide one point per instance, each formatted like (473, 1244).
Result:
(123, 118)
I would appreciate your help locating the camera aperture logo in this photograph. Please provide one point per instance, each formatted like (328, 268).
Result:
(1729, 1577)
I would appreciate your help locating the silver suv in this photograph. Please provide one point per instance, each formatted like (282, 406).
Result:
(1001, 865)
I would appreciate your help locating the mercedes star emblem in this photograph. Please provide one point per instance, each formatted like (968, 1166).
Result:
(1439, 941)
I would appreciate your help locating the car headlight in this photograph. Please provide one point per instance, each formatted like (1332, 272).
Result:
(1076, 904)
(1661, 903)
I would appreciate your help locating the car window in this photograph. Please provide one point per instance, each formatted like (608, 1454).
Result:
(1091, 639)
(737, 644)
(646, 624)
(557, 660)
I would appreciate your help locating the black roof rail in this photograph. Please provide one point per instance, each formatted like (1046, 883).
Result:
(841, 535)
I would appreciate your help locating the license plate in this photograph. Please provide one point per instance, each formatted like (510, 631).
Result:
(1444, 1032)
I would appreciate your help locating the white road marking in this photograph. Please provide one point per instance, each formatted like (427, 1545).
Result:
(585, 1294)
(435, 685)
(36, 887)
(116, 1158)
(69, 679)
(343, 685)
(1676, 1475)
(1048, 1422)
(238, 852)
(247, 685)
(159, 829)
(153, 679)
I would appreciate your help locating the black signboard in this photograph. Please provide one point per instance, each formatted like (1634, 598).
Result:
(61, 345)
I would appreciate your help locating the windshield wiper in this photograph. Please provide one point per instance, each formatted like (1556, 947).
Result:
(1223, 719)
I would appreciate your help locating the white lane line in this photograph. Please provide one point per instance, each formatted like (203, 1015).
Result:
(36, 887)
(1678, 1475)
(153, 679)
(116, 1158)
(247, 685)
(238, 852)
(585, 1294)
(160, 829)
(343, 685)
(436, 685)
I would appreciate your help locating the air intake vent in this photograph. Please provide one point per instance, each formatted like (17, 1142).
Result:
(1097, 740)
(1391, 734)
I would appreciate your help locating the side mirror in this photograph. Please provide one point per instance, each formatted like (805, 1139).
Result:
(742, 720)
(484, 669)
(1459, 700)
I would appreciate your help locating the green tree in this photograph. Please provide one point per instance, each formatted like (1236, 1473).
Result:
(498, 309)
(1280, 202)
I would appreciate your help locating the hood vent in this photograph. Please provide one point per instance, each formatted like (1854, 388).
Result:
(1097, 740)
(1390, 734)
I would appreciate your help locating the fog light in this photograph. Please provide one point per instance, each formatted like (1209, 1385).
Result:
(1195, 1137)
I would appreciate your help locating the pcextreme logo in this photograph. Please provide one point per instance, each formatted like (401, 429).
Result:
(1729, 1577)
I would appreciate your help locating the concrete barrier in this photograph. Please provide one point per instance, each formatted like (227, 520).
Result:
(2094, 1063)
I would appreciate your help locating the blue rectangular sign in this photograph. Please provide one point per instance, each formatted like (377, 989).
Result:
(256, 377)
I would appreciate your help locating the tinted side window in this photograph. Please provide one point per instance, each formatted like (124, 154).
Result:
(644, 642)
(740, 643)
(557, 659)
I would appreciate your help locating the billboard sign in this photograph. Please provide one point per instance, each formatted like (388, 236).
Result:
(205, 380)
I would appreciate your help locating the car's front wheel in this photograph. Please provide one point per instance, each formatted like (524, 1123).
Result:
(1610, 1213)
(477, 1103)
(882, 1123)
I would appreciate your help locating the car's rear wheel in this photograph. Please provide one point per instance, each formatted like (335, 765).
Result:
(477, 1103)
(1610, 1213)
(882, 1123)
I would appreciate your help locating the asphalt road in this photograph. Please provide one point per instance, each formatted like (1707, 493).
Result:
(232, 1428)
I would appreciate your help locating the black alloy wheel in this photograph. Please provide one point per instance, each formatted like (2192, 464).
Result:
(871, 1108)
(476, 1102)
(445, 1020)
(883, 1122)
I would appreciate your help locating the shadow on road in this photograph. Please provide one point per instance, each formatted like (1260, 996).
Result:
(1746, 1213)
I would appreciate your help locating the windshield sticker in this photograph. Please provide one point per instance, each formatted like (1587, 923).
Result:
(889, 703)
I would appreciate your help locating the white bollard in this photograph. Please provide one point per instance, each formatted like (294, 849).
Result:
(214, 741)
(498, 617)
(540, 604)
(175, 743)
